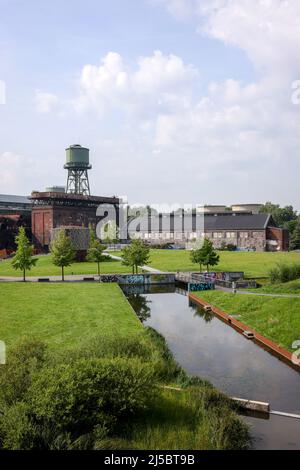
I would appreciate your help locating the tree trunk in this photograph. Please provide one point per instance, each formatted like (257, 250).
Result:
(133, 269)
(99, 271)
(137, 269)
(62, 274)
(24, 274)
(207, 267)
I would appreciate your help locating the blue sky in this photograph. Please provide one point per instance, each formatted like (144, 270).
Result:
(179, 101)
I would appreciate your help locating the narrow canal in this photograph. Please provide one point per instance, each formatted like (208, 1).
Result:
(205, 346)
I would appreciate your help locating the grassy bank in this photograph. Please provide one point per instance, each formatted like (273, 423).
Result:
(254, 264)
(96, 380)
(45, 267)
(292, 288)
(276, 318)
(198, 417)
(64, 315)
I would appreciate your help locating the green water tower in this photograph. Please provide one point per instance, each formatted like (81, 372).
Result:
(78, 164)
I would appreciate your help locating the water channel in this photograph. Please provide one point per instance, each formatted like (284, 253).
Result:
(205, 346)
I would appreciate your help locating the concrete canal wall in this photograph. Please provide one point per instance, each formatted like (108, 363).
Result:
(140, 279)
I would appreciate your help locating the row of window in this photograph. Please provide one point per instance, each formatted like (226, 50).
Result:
(194, 235)
(230, 235)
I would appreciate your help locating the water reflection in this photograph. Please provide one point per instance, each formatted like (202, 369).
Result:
(200, 312)
(140, 305)
(207, 347)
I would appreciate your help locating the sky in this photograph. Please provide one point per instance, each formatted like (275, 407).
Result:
(179, 101)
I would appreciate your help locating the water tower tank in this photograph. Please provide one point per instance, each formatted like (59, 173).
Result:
(78, 164)
(77, 157)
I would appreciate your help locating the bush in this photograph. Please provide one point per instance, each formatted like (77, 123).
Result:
(104, 394)
(26, 357)
(16, 430)
(227, 246)
(284, 273)
(133, 346)
(76, 397)
(61, 405)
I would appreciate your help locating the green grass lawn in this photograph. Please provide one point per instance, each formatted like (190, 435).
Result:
(292, 287)
(64, 315)
(276, 318)
(44, 267)
(254, 264)
(74, 315)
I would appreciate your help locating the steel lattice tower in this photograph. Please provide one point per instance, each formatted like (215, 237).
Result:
(77, 164)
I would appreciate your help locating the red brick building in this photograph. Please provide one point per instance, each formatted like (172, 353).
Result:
(53, 210)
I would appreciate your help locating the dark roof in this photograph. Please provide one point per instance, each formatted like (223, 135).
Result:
(238, 222)
(12, 199)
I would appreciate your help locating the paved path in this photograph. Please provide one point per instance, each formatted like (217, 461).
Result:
(68, 278)
(145, 268)
(259, 294)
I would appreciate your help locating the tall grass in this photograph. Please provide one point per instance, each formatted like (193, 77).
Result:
(284, 273)
(110, 394)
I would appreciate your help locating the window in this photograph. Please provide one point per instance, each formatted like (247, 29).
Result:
(217, 235)
(244, 235)
(230, 234)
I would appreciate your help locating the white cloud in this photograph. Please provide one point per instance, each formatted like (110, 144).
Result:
(232, 133)
(45, 102)
(158, 82)
(15, 169)
(267, 30)
(180, 9)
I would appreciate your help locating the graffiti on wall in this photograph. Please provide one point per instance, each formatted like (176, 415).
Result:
(109, 278)
(201, 286)
(224, 276)
(138, 279)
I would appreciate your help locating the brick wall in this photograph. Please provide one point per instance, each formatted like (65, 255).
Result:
(277, 239)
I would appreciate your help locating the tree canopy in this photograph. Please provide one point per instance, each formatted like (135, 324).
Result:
(62, 251)
(95, 251)
(23, 259)
(136, 254)
(282, 215)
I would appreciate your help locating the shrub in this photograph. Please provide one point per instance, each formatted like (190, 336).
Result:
(48, 402)
(90, 392)
(15, 378)
(284, 273)
(16, 429)
(112, 346)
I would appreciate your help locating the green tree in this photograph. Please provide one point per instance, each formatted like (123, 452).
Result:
(62, 251)
(197, 257)
(295, 238)
(92, 234)
(210, 256)
(95, 253)
(281, 215)
(136, 254)
(23, 259)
